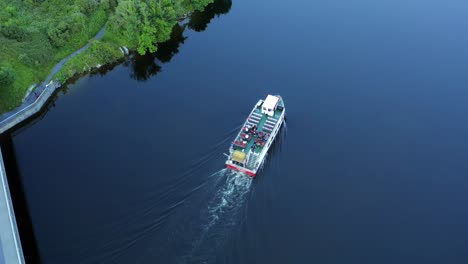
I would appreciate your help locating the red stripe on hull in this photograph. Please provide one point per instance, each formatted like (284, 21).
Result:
(241, 170)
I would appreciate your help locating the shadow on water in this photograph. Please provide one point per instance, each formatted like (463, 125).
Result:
(275, 148)
(168, 49)
(145, 66)
(200, 20)
(20, 206)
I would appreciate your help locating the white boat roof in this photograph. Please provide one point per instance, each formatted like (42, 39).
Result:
(270, 102)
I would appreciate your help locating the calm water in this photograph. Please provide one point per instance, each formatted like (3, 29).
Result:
(127, 166)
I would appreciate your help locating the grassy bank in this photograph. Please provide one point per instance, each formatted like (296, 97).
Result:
(36, 34)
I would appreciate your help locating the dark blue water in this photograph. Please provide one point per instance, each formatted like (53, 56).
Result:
(127, 166)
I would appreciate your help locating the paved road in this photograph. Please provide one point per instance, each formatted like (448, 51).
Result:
(40, 89)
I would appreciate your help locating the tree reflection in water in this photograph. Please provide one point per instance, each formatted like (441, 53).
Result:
(200, 20)
(145, 66)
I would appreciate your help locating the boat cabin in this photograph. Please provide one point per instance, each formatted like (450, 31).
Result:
(269, 105)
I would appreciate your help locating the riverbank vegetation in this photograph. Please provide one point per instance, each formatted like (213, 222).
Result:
(36, 34)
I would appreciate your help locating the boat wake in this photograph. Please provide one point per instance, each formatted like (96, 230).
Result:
(187, 214)
(230, 197)
(222, 214)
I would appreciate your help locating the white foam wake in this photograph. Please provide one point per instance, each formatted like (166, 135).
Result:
(230, 197)
(220, 216)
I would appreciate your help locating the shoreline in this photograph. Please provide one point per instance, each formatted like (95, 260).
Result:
(35, 100)
(37, 35)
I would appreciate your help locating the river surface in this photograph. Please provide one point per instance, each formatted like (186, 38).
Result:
(126, 166)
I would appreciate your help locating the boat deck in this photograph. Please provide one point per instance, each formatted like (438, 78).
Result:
(264, 124)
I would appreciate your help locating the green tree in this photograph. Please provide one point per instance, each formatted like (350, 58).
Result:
(126, 22)
(11, 10)
(146, 40)
(200, 4)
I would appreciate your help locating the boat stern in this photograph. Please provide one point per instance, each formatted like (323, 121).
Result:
(238, 168)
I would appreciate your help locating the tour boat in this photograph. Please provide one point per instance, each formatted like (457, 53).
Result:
(248, 151)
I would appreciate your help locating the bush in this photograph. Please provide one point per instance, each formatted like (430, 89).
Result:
(104, 52)
(87, 7)
(14, 32)
(7, 76)
(38, 52)
(59, 34)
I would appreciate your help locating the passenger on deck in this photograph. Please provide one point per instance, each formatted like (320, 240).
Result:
(254, 129)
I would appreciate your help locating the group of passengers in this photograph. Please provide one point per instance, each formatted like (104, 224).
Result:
(252, 132)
